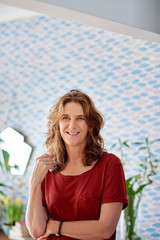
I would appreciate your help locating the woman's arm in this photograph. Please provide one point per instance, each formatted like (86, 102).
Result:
(36, 214)
(91, 229)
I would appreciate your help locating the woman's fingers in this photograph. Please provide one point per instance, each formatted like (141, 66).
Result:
(45, 157)
(43, 164)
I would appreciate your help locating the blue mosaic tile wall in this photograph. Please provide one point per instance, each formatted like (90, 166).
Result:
(43, 57)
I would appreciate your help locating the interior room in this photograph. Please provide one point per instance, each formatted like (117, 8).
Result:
(109, 51)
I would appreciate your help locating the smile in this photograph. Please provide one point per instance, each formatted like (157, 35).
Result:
(73, 134)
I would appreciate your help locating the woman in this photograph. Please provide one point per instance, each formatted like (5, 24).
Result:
(77, 190)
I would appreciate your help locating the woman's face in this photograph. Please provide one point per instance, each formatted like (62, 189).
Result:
(73, 126)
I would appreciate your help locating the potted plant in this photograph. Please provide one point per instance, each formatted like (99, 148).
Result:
(4, 163)
(4, 168)
(12, 210)
(135, 184)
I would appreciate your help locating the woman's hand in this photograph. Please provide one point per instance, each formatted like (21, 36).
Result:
(51, 228)
(42, 165)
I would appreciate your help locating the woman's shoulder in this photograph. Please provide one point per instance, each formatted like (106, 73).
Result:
(110, 159)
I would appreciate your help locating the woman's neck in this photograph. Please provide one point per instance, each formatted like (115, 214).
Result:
(75, 165)
(75, 156)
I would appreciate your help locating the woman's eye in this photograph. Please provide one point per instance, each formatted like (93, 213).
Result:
(80, 118)
(65, 118)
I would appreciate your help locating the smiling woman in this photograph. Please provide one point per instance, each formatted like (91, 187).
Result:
(74, 107)
(79, 192)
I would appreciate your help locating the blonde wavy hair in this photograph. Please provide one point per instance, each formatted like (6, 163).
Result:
(94, 142)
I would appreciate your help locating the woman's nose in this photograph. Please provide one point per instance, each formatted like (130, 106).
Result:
(72, 123)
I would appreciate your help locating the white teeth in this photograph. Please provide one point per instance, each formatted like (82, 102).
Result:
(73, 133)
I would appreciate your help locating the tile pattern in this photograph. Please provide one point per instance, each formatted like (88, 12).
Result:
(42, 57)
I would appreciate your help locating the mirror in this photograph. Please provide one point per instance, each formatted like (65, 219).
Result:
(13, 143)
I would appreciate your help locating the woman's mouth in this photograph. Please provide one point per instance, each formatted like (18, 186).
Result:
(73, 133)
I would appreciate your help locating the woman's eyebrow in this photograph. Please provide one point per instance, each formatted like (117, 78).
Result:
(79, 115)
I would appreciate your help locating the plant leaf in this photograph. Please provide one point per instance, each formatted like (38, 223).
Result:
(156, 140)
(142, 148)
(126, 144)
(137, 143)
(113, 145)
(4, 185)
(142, 186)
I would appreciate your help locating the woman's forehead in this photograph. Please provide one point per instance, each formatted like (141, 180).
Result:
(73, 108)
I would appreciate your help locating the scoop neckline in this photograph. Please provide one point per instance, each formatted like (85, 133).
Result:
(81, 174)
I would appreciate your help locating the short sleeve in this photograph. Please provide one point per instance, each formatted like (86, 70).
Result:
(115, 185)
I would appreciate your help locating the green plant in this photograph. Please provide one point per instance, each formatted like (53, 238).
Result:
(13, 209)
(135, 184)
(4, 168)
(4, 164)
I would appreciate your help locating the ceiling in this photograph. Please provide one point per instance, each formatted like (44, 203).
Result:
(136, 18)
(9, 13)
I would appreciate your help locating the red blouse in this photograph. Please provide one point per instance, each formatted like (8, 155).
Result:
(79, 197)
